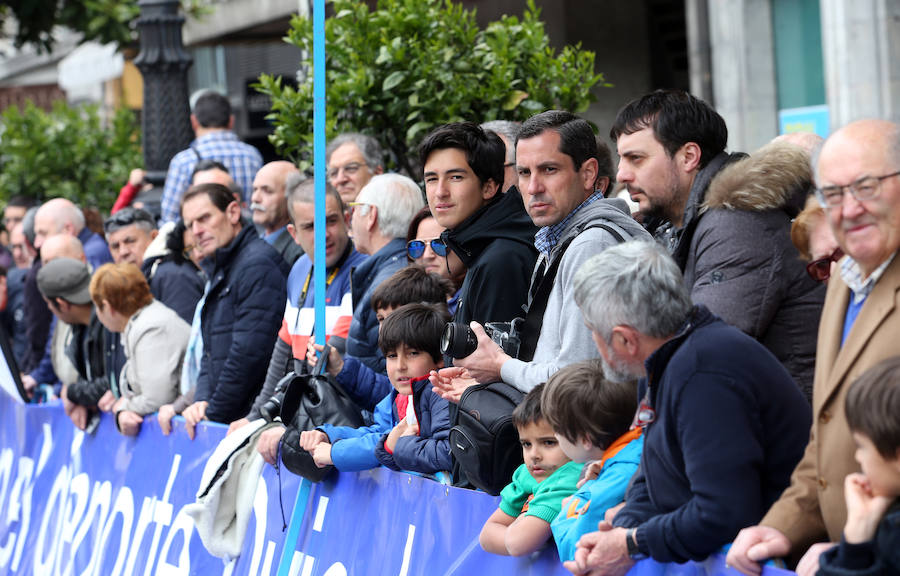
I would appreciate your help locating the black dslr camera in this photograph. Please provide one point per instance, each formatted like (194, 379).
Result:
(458, 340)
(271, 410)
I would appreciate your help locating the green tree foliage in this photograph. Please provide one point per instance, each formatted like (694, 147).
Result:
(399, 70)
(67, 152)
(101, 20)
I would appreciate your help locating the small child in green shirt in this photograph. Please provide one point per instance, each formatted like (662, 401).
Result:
(527, 505)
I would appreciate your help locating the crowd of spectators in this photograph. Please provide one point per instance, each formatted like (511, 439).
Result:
(696, 374)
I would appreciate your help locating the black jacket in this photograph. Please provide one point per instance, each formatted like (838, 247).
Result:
(87, 349)
(37, 321)
(496, 244)
(877, 557)
(239, 322)
(177, 285)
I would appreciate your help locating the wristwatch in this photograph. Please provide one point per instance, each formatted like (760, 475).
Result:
(631, 542)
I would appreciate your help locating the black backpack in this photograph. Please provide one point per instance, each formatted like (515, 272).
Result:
(485, 442)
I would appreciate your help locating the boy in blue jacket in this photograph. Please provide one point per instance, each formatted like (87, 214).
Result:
(407, 286)
(591, 418)
(412, 423)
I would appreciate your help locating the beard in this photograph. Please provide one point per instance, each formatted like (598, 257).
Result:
(615, 371)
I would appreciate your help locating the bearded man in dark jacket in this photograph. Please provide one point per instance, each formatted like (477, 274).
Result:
(730, 238)
(489, 231)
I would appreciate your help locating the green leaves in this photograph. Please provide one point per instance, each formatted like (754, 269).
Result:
(67, 152)
(405, 67)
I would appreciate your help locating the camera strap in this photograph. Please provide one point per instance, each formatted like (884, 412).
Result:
(534, 316)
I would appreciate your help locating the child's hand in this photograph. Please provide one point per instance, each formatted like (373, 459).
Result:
(322, 454)
(335, 361)
(450, 383)
(309, 439)
(398, 431)
(864, 509)
(590, 471)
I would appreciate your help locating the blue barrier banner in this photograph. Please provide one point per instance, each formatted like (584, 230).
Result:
(80, 504)
(106, 504)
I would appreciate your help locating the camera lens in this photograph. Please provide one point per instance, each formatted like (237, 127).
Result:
(458, 340)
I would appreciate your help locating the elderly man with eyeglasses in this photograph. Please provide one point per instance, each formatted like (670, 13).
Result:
(857, 172)
(352, 159)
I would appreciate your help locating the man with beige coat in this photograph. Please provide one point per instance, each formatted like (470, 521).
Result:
(857, 173)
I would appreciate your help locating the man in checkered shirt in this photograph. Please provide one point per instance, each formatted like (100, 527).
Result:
(212, 122)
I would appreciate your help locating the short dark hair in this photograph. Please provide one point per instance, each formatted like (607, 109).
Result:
(21, 201)
(576, 137)
(872, 406)
(205, 164)
(676, 118)
(580, 403)
(219, 195)
(416, 326)
(529, 409)
(485, 151)
(129, 216)
(412, 284)
(606, 168)
(212, 110)
(175, 242)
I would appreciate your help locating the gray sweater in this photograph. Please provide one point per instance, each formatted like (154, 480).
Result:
(564, 338)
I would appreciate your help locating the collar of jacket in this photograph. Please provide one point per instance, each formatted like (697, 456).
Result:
(503, 217)
(226, 254)
(680, 238)
(656, 363)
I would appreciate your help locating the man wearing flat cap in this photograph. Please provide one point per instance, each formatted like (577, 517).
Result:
(65, 285)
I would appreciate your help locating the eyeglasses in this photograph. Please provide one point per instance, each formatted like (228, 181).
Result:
(862, 189)
(416, 248)
(819, 270)
(349, 169)
(352, 206)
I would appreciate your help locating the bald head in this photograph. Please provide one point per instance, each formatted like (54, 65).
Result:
(217, 176)
(57, 216)
(871, 139)
(864, 156)
(62, 246)
(268, 203)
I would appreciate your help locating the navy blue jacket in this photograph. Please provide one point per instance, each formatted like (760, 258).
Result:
(365, 386)
(14, 315)
(880, 556)
(177, 285)
(96, 251)
(240, 321)
(362, 341)
(730, 427)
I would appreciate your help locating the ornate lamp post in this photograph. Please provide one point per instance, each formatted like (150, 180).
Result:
(163, 62)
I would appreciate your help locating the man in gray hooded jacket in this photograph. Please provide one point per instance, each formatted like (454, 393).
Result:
(557, 162)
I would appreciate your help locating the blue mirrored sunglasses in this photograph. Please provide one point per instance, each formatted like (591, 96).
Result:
(415, 248)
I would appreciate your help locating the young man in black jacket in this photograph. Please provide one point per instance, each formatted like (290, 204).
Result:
(489, 231)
